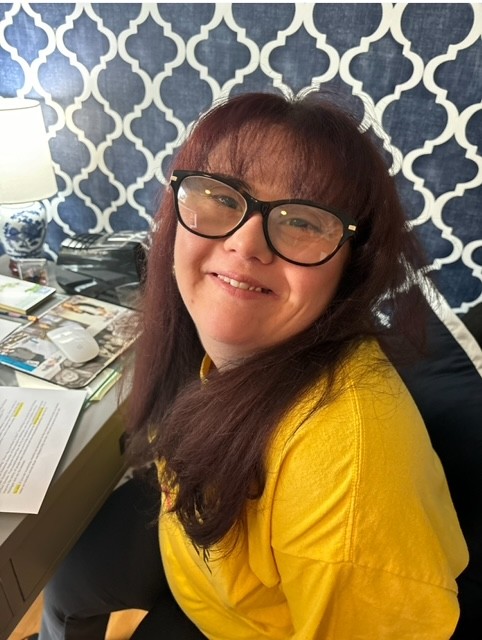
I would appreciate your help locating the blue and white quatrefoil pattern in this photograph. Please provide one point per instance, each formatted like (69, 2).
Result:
(120, 83)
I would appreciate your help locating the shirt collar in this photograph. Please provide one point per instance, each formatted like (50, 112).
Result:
(206, 366)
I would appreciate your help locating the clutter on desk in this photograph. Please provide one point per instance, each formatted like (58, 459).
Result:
(30, 350)
(31, 269)
(7, 325)
(95, 391)
(22, 296)
(100, 264)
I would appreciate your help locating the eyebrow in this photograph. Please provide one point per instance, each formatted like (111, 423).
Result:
(235, 182)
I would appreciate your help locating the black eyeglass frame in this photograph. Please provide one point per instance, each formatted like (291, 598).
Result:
(255, 206)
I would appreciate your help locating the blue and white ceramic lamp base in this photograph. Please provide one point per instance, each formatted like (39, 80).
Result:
(22, 229)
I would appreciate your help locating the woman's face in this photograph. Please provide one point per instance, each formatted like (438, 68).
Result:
(242, 297)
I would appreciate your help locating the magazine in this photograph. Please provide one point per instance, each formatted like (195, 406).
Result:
(95, 390)
(21, 296)
(29, 349)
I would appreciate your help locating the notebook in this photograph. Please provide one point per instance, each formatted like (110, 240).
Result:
(22, 296)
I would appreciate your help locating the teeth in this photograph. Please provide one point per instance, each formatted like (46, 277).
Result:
(240, 285)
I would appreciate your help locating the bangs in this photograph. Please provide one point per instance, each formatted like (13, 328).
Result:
(317, 154)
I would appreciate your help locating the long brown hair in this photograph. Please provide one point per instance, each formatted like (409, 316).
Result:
(213, 438)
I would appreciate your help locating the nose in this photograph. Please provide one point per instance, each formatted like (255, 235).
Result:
(249, 241)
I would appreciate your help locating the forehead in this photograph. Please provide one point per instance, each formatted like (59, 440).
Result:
(255, 157)
(276, 162)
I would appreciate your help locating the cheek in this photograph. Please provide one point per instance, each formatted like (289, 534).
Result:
(184, 251)
(320, 285)
(179, 244)
(181, 267)
(190, 253)
(189, 248)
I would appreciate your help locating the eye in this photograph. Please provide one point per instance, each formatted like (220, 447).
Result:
(302, 224)
(224, 199)
(301, 221)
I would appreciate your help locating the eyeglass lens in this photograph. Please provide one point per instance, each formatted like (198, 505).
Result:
(299, 232)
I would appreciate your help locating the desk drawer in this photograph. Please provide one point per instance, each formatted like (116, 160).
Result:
(62, 519)
(10, 602)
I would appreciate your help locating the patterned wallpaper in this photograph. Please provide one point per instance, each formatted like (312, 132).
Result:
(119, 84)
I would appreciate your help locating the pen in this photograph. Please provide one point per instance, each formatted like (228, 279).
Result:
(17, 316)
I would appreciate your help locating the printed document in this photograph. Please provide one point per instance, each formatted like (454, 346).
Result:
(35, 425)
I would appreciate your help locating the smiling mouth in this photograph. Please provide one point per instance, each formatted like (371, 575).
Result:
(242, 285)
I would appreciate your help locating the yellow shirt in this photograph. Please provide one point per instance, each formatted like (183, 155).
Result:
(354, 538)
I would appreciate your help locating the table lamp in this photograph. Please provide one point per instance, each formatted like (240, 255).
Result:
(26, 177)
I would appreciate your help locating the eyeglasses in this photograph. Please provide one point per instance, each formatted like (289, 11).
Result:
(299, 231)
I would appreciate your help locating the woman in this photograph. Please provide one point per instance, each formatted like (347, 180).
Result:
(301, 497)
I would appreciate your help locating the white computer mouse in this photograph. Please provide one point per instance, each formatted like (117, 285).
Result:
(75, 342)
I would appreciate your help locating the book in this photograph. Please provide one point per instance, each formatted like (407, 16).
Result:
(22, 296)
(29, 349)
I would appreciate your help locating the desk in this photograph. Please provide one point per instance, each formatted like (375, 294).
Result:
(32, 546)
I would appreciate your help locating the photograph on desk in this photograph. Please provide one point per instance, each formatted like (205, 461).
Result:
(40, 349)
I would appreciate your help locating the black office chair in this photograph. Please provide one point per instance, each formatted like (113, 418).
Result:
(447, 387)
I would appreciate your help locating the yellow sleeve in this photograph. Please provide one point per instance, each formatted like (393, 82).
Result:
(364, 535)
(347, 602)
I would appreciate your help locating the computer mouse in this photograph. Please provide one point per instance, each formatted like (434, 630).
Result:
(75, 342)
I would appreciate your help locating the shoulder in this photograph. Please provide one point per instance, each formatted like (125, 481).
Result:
(343, 481)
(369, 402)
(329, 455)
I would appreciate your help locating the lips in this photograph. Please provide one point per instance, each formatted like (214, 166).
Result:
(246, 286)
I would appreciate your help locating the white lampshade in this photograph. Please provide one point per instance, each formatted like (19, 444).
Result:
(26, 171)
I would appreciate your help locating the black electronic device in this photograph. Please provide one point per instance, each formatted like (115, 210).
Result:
(94, 264)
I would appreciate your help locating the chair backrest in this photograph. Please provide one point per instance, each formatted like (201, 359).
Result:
(447, 388)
